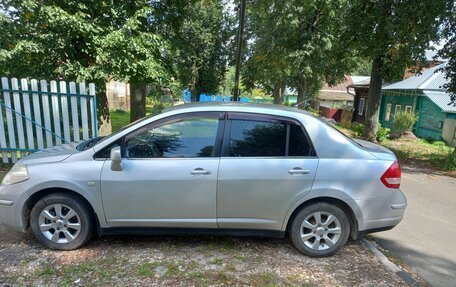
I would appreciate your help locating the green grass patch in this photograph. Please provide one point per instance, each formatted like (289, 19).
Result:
(103, 270)
(119, 119)
(265, 279)
(435, 154)
(432, 154)
(149, 269)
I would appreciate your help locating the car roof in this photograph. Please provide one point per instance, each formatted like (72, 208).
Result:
(236, 106)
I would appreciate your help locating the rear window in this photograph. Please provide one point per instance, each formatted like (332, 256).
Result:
(299, 144)
(257, 138)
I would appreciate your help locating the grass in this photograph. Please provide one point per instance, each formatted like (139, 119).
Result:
(148, 269)
(437, 154)
(103, 269)
(430, 154)
(119, 119)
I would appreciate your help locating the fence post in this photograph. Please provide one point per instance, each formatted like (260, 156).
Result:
(9, 118)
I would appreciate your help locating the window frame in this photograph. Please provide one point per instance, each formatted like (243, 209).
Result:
(217, 143)
(396, 109)
(388, 113)
(409, 107)
(269, 119)
(361, 107)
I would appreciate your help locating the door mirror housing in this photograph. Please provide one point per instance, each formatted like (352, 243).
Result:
(116, 159)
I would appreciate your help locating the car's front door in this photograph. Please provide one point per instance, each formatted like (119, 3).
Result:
(169, 174)
(267, 164)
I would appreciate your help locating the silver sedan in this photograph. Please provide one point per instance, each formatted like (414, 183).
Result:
(231, 169)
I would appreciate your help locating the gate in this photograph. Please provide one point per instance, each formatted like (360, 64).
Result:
(36, 115)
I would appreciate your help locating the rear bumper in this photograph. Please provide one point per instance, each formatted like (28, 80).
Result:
(12, 200)
(381, 213)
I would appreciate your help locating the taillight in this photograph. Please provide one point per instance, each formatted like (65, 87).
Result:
(392, 176)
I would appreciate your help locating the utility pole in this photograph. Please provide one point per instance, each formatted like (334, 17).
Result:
(239, 50)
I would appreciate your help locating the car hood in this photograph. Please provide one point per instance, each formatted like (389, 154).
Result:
(52, 154)
(376, 150)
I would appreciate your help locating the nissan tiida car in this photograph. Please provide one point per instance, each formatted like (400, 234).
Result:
(230, 169)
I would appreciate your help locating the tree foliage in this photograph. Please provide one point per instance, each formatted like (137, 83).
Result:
(89, 40)
(203, 47)
(298, 43)
(448, 33)
(394, 35)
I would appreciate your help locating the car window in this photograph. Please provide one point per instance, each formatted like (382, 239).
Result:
(299, 144)
(189, 137)
(256, 138)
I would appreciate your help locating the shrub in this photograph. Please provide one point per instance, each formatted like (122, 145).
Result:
(403, 122)
(382, 133)
(358, 130)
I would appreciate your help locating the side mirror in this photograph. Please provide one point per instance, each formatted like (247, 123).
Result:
(116, 159)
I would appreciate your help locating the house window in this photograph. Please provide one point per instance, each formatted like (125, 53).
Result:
(408, 109)
(361, 106)
(397, 109)
(388, 112)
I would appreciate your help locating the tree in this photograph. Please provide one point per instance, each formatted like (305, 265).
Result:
(393, 35)
(89, 41)
(299, 43)
(448, 32)
(202, 45)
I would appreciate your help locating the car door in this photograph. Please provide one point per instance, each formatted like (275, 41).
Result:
(169, 174)
(267, 164)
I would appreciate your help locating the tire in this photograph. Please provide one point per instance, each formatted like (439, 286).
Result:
(322, 239)
(72, 229)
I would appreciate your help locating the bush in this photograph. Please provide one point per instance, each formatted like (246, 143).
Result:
(358, 130)
(403, 122)
(382, 133)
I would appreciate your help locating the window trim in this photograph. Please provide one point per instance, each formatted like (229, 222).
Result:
(388, 113)
(217, 144)
(396, 109)
(361, 107)
(409, 107)
(264, 118)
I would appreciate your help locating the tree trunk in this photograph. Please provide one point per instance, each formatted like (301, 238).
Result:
(373, 101)
(302, 93)
(137, 101)
(278, 94)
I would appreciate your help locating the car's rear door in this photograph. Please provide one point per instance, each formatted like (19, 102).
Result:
(267, 164)
(169, 174)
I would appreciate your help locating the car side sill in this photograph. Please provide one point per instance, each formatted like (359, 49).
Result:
(373, 230)
(192, 231)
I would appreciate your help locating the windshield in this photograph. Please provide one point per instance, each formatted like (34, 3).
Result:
(92, 142)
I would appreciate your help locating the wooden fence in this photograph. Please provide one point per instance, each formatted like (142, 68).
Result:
(36, 114)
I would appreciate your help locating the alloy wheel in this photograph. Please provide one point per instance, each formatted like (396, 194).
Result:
(320, 230)
(59, 223)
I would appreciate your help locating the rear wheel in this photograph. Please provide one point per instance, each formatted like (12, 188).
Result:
(61, 221)
(319, 230)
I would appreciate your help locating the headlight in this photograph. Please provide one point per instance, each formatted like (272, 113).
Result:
(15, 175)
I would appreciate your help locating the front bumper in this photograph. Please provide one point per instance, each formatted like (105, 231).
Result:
(382, 214)
(12, 201)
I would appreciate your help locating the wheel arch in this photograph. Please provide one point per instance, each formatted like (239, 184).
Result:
(35, 197)
(330, 200)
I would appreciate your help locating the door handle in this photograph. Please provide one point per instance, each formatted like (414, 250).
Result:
(298, 170)
(199, 170)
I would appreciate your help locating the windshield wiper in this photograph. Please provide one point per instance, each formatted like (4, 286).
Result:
(88, 144)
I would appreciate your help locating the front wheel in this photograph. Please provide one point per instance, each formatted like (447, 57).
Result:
(61, 221)
(319, 230)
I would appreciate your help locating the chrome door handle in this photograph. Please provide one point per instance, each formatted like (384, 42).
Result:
(298, 170)
(200, 171)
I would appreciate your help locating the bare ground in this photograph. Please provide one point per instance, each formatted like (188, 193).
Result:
(185, 260)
